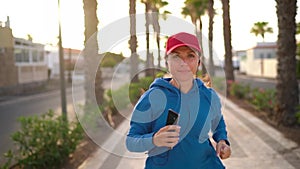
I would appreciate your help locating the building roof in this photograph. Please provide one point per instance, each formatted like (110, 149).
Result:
(265, 45)
(74, 51)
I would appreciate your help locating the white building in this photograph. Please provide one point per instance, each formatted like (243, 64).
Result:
(22, 63)
(237, 57)
(30, 61)
(260, 60)
(52, 59)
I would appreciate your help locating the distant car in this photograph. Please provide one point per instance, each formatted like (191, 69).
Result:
(236, 63)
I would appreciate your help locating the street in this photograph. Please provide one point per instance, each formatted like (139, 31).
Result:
(256, 82)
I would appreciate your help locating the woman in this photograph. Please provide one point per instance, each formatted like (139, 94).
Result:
(185, 145)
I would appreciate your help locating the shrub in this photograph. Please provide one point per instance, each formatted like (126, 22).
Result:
(137, 89)
(135, 92)
(219, 84)
(239, 90)
(117, 99)
(160, 73)
(44, 141)
(263, 99)
(90, 116)
(111, 59)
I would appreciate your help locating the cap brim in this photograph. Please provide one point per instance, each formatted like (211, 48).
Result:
(179, 45)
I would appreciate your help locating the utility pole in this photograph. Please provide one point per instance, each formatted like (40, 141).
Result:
(61, 69)
(70, 66)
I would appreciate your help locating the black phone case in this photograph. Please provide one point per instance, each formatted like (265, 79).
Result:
(172, 117)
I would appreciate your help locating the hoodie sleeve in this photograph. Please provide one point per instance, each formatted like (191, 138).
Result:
(140, 135)
(218, 125)
(137, 141)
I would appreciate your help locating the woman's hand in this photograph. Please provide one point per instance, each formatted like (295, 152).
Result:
(223, 150)
(167, 136)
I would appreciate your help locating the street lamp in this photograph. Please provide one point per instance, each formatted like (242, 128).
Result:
(61, 69)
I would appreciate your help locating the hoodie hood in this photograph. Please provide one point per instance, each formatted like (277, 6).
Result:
(164, 83)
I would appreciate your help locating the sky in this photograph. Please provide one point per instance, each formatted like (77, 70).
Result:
(39, 18)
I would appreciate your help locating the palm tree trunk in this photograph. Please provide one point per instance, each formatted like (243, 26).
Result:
(133, 42)
(156, 27)
(158, 48)
(147, 16)
(91, 52)
(227, 43)
(287, 86)
(211, 14)
(204, 70)
(200, 32)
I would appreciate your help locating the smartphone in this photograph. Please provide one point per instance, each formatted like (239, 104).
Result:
(172, 118)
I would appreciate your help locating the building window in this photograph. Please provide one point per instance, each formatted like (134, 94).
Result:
(34, 56)
(25, 55)
(28, 52)
(29, 55)
(259, 56)
(18, 55)
(41, 56)
(271, 55)
(22, 55)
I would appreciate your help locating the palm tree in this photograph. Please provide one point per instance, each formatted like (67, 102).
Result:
(91, 52)
(29, 37)
(186, 11)
(195, 9)
(227, 43)
(156, 5)
(261, 28)
(148, 17)
(211, 13)
(151, 15)
(133, 42)
(201, 8)
(287, 86)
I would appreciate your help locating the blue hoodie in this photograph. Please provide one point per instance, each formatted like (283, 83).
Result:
(199, 113)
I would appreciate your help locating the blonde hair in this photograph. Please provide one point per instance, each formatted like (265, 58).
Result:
(206, 80)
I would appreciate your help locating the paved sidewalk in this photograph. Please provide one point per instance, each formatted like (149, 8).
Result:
(255, 145)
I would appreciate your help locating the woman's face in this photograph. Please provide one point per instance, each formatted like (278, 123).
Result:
(183, 63)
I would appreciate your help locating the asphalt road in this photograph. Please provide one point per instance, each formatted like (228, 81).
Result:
(255, 82)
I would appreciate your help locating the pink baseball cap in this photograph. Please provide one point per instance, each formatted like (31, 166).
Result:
(182, 39)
